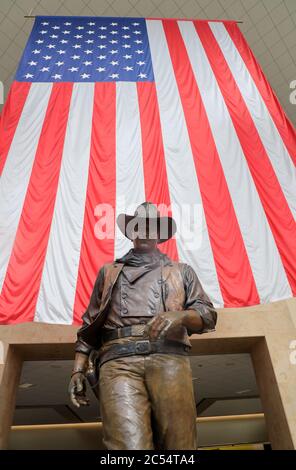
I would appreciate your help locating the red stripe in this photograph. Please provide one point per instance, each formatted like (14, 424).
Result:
(101, 189)
(232, 264)
(10, 117)
(155, 175)
(283, 124)
(23, 276)
(276, 208)
(190, 19)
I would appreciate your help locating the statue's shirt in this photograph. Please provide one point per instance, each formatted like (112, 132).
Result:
(136, 297)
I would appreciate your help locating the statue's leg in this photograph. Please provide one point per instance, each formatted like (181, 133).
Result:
(125, 406)
(169, 382)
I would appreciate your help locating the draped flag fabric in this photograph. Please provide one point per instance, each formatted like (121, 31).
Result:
(178, 112)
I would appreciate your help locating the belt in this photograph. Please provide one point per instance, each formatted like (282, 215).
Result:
(141, 347)
(132, 330)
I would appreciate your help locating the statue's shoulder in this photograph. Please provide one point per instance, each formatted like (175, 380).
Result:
(176, 266)
(168, 262)
(111, 265)
(184, 268)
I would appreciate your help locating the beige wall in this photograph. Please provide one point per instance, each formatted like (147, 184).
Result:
(266, 331)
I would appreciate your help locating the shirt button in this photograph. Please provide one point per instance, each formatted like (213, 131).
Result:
(159, 281)
(124, 295)
(156, 294)
(124, 310)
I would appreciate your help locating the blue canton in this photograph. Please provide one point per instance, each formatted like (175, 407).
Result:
(86, 49)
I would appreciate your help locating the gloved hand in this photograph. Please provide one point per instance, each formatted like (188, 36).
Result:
(161, 324)
(77, 390)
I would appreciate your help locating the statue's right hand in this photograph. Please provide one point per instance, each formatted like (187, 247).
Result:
(77, 390)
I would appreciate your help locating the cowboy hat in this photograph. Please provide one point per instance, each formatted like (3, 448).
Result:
(161, 228)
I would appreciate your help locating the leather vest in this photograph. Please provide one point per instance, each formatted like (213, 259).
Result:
(166, 281)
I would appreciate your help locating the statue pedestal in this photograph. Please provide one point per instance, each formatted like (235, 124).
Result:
(267, 332)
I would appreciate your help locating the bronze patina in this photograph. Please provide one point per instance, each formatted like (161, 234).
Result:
(134, 343)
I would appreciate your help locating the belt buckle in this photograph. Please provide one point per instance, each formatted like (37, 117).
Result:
(143, 347)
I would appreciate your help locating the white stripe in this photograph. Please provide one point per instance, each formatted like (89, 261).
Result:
(270, 137)
(130, 190)
(58, 284)
(17, 170)
(269, 274)
(182, 178)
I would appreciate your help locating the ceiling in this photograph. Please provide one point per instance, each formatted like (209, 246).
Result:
(268, 25)
(223, 385)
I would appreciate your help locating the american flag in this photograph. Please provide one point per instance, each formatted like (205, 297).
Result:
(117, 111)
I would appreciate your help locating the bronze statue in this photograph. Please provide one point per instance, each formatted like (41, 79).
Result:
(142, 310)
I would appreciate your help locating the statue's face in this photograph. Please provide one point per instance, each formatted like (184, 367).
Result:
(146, 241)
(145, 244)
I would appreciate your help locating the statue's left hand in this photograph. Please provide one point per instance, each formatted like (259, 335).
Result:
(77, 390)
(161, 324)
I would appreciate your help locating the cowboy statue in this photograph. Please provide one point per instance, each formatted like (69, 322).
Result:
(142, 310)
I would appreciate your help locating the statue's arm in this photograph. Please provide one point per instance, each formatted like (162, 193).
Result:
(90, 313)
(77, 385)
(201, 316)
